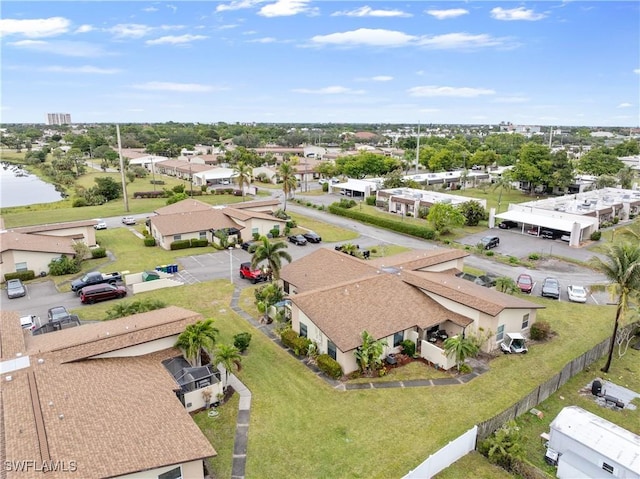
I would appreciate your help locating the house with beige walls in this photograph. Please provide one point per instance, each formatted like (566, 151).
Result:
(411, 296)
(99, 400)
(34, 247)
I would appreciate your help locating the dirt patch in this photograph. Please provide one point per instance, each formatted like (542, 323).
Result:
(554, 264)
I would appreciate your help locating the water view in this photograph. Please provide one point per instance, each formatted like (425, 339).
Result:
(20, 188)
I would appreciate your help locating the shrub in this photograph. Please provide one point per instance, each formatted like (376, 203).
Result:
(465, 368)
(149, 241)
(329, 366)
(98, 253)
(178, 189)
(513, 260)
(156, 182)
(408, 347)
(275, 232)
(199, 243)
(291, 224)
(325, 187)
(79, 203)
(596, 235)
(346, 204)
(148, 194)
(534, 256)
(371, 200)
(490, 253)
(180, 244)
(63, 265)
(21, 275)
(298, 344)
(616, 220)
(241, 341)
(123, 309)
(540, 330)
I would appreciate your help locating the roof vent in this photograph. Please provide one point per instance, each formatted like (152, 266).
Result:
(9, 378)
(40, 361)
(18, 355)
(61, 416)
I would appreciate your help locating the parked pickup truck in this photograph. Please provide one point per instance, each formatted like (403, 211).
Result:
(94, 277)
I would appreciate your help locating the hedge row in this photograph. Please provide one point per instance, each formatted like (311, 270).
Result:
(21, 275)
(184, 244)
(298, 344)
(98, 253)
(149, 241)
(148, 194)
(388, 223)
(329, 366)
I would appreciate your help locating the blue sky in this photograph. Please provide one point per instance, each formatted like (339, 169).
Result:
(537, 63)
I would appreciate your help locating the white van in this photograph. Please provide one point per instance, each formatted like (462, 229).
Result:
(29, 322)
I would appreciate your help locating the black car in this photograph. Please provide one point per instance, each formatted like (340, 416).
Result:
(489, 242)
(247, 244)
(312, 237)
(550, 234)
(298, 240)
(507, 225)
(551, 288)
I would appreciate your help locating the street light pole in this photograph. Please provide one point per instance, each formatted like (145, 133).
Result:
(231, 264)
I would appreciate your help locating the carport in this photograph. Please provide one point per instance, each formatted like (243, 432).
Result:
(573, 227)
(355, 188)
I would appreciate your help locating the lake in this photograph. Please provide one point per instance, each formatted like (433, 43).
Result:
(20, 188)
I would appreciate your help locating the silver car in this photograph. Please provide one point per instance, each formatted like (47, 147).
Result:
(15, 289)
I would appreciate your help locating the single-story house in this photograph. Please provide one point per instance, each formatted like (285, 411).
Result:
(588, 446)
(335, 297)
(34, 247)
(180, 168)
(408, 201)
(193, 219)
(102, 400)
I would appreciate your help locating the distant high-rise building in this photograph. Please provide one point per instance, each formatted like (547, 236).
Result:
(58, 119)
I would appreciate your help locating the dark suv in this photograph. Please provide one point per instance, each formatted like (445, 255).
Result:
(489, 242)
(550, 234)
(507, 225)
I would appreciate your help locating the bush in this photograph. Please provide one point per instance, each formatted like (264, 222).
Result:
(346, 204)
(21, 275)
(616, 220)
(199, 243)
(291, 224)
(534, 256)
(465, 368)
(408, 347)
(98, 253)
(596, 235)
(540, 331)
(490, 253)
(241, 341)
(178, 189)
(180, 244)
(513, 260)
(149, 241)
(329, 366)
(63, 265)
(148, 194)
(371, 200)
(123, 309)
(79, 203)
(275, 232)
(156, 182)
(325, 187)
(298, 344)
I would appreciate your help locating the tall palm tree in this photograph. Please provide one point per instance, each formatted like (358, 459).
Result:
(195, 338)
(229, 356)
(242, 174)
(460, 348)
(289, 181)
(272, 253)
(622, 269)
(504, 183)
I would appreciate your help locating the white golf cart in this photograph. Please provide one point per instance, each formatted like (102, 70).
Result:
(513, 343)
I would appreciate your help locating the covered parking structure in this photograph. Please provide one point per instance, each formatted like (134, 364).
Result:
(356, 188)
(578, 227)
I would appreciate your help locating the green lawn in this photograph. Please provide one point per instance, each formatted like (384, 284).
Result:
(329, 233)
(477, 463)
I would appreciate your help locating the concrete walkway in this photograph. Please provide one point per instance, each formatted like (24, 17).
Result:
(242, 428)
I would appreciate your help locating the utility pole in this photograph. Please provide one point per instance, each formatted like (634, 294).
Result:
(124, 182)
(417, 148)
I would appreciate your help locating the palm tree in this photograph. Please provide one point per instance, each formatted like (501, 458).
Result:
(272, 253)
(228, 356)
(289, 181)
(461, 348)
(626, 176)
(504, 183)
(195, 338)
(369, 355)
(505, 284)
(242, 174)
(622, 269)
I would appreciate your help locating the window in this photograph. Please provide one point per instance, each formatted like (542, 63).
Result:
(177, 237)
(276, 227)
(175, 473)
(607, 467)
(203, 235)
(255, 231)
(303, 330)
(500, 333)
(331, 350)
(525, 321)
(21, 267)
(398, 338)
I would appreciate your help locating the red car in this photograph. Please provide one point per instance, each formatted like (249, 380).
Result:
(253, 275)
(525, 283)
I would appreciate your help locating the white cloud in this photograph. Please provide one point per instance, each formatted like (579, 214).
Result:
(519, 13)
(35, 28)
(150, 9)
(370, 12)
(250, 32)
(624, 105)
(330, 90)
(176, 40)
(238, 5)
(449, 13)
(460, 40)
(130, 30)
(84, 69)
(382, 78)
(637, 70)
(366, 36)
(84, 29)
(179, 87)
(286, 8)
(450, 91)
(172, 7)
(262, 40)
(229, 26)
(65, 48)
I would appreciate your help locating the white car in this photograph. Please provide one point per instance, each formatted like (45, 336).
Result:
(577, 294)
(129, 220)
(100, 225)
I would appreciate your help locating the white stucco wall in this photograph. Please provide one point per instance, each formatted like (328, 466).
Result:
(435, 355)
(142, 349)
(36, 261)
(190, 470)
(194, 400)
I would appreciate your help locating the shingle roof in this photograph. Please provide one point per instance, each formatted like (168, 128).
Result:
(377, 304)
(418, 259)
(325, 267)
(12, 337)
(184, 206)
(111, 416)
(54, 226)
(190, 222)
(465, 292)
(244, 215)
(254, 204)
(36, 242)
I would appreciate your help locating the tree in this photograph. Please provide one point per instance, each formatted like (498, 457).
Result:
(625, 177)
(562, 171)
(287, 175)
(369, 354)
(534, 165)
(484, 158)
(600, 161)
(242, 174)
(622, 269)
(444, 216)
(195, 338)
(460, 348)
(473, 212)
(505, 284)
(228, 356)
(504, 182)
(272, 253)
(266, 297)
(108, 187)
